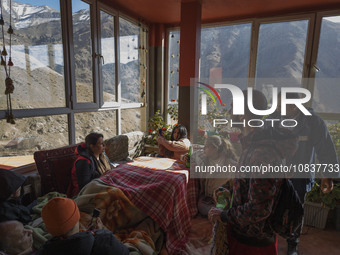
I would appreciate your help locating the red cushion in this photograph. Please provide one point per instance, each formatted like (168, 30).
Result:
(54, 167)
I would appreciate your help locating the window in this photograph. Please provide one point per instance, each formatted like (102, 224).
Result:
(225, 56)
(37, 55)
(280, 55)
(173, 66)
(108, 61)
(32, 134)
(103, 122)
(225, 52)
(82, 47)
(133, 64)
(67, 81)
(281, 50)
(327, 68)
(133, 120)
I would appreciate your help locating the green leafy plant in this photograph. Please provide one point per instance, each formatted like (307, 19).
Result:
(154, 124)
(329, 199)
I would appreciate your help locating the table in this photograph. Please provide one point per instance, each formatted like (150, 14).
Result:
(162, 189)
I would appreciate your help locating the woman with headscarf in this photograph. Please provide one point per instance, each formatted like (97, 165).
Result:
(91, 162)
(217, 152)
(11, 207)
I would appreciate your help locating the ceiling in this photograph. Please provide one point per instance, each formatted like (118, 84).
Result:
(168, 11)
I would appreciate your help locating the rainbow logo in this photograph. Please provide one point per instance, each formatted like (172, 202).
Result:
(204, 97)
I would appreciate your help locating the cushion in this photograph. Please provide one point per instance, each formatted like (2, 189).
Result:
(54, 167)
(122, 147)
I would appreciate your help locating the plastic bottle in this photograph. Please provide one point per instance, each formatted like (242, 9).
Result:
(188, 158)
(220, 199)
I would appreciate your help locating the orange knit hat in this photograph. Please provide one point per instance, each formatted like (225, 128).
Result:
(60, 215)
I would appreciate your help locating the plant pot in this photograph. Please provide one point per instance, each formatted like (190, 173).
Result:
(315, 215)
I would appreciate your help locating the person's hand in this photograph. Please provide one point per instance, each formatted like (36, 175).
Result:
(185, 158)
(224, 191)
(99, 224)
(214, 214)
(159, 139)
(326, 185)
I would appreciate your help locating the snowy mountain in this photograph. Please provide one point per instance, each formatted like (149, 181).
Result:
(25, 15)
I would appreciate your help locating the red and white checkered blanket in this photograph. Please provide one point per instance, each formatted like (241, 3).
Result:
(164, 193)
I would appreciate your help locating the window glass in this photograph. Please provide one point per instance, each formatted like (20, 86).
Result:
(173, 66)
(133, 64)
(225, 57)
(29, 135)
(225, 52)
(327, 76)
(108, 52)
(103, 122)
(334, 130)
(82, 44)
(37, 55)
(280, 55)
(133, 120)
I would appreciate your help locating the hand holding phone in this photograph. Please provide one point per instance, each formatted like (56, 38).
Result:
(95, 222)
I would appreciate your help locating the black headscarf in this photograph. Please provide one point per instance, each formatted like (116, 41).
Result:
(9, 183)
(10, 207)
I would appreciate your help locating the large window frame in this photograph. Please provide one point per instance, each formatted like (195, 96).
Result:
(313, 59)
(72, 106)
(311, 49)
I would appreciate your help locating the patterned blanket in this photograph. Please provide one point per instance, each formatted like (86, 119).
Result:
(161, 188)
(129, 224)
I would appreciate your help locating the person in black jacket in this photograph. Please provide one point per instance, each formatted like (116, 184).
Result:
(91, 162)
(11, 207)
(61, 217)
(315, 142)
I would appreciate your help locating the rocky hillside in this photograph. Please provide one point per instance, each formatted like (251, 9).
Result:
(37, 47)
(280, 55)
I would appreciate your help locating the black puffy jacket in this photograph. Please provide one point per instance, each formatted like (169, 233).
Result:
(99, 242)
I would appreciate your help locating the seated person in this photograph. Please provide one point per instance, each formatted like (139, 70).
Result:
(177, 146)
(61, 217)
(91, 162)
(217, 151)
(11, 207)
(15, 239)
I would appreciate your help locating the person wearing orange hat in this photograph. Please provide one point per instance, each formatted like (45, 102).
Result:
(61, 217)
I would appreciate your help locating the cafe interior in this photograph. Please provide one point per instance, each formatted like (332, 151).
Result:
(125, 68)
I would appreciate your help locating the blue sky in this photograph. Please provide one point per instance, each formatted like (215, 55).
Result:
(77, 4)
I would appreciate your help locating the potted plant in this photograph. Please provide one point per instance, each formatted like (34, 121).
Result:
(154, 124)
(318, 204)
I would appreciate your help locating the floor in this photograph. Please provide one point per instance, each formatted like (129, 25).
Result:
(313, 241)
